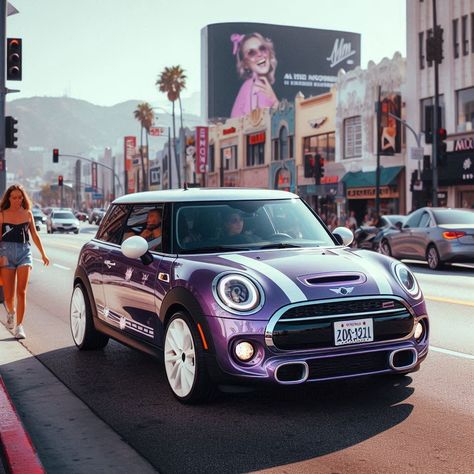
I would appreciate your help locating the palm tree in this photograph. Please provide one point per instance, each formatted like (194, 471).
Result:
(172, 81)
(145, 115)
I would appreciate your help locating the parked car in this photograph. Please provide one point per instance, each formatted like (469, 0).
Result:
(369, 237)
(81, 216)
(437, 235)
(230, 296)
(38, 216)
(62, 221)
(96, 215)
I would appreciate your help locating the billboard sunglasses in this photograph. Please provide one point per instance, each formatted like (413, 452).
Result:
(252, 53)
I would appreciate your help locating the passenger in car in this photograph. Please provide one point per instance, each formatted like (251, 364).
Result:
(233, 228)
(152, 231)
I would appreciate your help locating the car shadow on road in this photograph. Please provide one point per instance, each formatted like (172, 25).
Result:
(235, 432)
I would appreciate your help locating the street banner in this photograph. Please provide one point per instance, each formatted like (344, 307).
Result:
(158, 131)
(202, 142)
(130, 149)
(390, 128)
(94, 176)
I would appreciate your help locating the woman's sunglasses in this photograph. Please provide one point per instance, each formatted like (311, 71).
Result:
(251, 53)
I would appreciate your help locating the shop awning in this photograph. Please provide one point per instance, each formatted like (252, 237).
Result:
(364, 179)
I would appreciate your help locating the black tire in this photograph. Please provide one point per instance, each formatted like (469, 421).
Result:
(89, 338)
(433, 258)
(202, 387)
(76, 232)
(384, 248)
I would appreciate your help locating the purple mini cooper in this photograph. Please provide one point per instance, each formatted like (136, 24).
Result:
(233, 286)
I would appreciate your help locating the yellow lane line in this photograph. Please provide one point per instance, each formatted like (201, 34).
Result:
(449, 300)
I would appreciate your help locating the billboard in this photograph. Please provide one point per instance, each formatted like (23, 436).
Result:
(254, 65)
(390, 128)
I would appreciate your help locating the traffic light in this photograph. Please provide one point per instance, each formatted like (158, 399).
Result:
(438, 45)
(14, 59)
(442, 147)
(55, 155)
(10, 132)
(309, 162)
(60, 180)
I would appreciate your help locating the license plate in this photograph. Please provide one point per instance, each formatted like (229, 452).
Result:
(353, 332)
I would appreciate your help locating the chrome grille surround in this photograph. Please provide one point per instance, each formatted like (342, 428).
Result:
(277, 317)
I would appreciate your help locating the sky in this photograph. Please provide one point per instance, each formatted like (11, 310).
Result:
(111, 51)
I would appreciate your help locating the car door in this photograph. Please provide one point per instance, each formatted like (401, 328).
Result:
(130, 284)
(420, 236)
(402, 243)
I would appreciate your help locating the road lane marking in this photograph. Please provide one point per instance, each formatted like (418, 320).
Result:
(449, 300)
(453, 353)
(62, 267)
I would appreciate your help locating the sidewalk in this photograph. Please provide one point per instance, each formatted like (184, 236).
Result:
(67, 435)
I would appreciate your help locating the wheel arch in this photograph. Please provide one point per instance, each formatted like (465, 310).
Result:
(80, 276)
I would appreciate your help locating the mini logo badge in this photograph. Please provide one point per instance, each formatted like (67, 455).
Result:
(343, 290)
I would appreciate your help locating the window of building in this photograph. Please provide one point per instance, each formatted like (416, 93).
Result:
(423, 113)
(465, 109)
(324, 145)
(421, 49)
(429, 34)
(283, 143)
(275, 150)
(455, 38)
(353, 137)
(229, 158)
(256, 149)
(212, 158)
(465, 41)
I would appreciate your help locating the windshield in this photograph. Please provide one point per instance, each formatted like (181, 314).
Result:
(247, 225)
(453, 216)
(63, 215)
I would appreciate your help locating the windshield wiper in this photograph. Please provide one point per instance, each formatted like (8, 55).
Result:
(280, 245)
(217, 248)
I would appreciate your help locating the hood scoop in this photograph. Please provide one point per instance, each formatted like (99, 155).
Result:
(332, 279)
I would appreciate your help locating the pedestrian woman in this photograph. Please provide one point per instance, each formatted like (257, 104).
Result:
(256, 64)
(16, 220)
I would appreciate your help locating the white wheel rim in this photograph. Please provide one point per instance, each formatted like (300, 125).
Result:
(432, 258)
(78, 316)
(180, 357)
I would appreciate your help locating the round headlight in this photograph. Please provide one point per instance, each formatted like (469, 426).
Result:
(244, 351)
(407, 280)
(238, 293)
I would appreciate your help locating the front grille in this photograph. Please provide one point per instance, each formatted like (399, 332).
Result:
(364, 363)
(312, 326)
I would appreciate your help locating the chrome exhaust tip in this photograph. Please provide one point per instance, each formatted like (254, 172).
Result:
(403, 359)
(290, 373)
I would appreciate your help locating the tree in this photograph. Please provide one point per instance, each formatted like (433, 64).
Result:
(172, 81)
(145, 115)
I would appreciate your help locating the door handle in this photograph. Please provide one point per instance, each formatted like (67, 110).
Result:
(109, 263)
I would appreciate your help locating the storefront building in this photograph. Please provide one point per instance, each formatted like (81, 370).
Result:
(456, 98)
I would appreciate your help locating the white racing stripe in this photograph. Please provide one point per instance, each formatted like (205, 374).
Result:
(379, 277)
(453, 353)
(289, 287)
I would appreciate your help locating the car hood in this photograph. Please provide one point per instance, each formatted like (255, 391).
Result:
(300, 275)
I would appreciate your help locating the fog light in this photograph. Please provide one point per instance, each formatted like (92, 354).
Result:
(418, 331)
(244, 351)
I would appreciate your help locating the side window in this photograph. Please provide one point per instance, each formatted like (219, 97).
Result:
(413, 220)
(425, 220)
(112, 226)
(146, 221)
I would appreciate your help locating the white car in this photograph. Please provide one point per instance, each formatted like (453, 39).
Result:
(62, 221)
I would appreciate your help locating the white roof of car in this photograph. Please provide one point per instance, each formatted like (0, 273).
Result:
(204, 194)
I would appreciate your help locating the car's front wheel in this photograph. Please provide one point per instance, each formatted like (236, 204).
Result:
(384, 248)
(432, 256)
(185, 365)
(83, 332)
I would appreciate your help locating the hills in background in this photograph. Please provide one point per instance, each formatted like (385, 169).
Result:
(78, 127)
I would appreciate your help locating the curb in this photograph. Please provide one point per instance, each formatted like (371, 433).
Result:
(18, 450)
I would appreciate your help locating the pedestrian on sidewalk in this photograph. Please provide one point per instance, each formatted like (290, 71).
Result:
(16, 261)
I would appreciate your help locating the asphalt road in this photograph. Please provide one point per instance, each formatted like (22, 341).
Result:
(421, 423)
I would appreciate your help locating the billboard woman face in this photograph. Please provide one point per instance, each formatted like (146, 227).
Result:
(256, 56)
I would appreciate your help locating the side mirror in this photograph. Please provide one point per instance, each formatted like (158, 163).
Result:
(343, 235)
(134, 247)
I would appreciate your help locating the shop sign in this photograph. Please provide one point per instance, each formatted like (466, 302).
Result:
(464, 144)
(202, 144)
(385, 192)
(228, 131)
(257, 138)
(329, 179)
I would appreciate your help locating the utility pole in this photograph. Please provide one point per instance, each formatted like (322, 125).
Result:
(3, 93)
(436, 121)
(377, 170)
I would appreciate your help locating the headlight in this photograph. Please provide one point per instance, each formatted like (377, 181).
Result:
(238, 293)
(407, 279)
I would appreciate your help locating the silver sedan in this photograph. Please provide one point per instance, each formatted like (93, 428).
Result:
(437, 235)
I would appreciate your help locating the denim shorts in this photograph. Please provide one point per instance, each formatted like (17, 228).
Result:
(18, 254)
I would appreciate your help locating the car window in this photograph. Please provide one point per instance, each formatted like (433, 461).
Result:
(112, 226)
(146, 221)
(413, 220)
(453, 216)
(63, 215)
(248, 224)
(425, 220)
